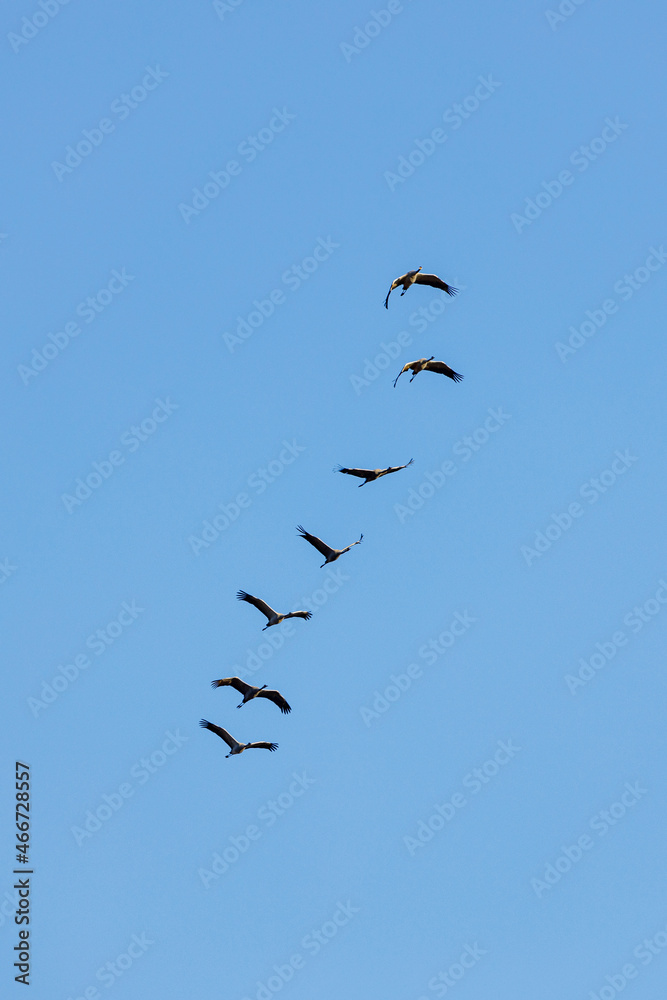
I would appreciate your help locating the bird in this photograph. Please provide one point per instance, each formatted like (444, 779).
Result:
(235, 747)
(370, 475)
(273, 616)
(330, 555)
(249, 691)
(429, 365)
(415, 278)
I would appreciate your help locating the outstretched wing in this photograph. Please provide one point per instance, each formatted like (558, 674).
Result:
(317, 542)
(300, 614)
(361, 473)
(234, 682)
(277, 698)
(442, 369)
(435, 282)
(397, 468)
(259, 604)
(262, 746)
(219, 731)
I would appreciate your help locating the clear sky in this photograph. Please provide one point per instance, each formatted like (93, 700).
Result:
(204, 206)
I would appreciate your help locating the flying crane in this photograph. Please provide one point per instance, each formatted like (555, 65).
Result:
(419, 278)
(273, 616)
(330, 555)
(428, 365)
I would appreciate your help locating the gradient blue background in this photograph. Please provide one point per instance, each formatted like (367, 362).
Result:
(323, 177)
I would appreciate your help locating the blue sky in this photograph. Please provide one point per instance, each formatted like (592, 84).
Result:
(204, 209)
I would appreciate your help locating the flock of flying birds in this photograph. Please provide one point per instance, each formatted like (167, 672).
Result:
(249, 691)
